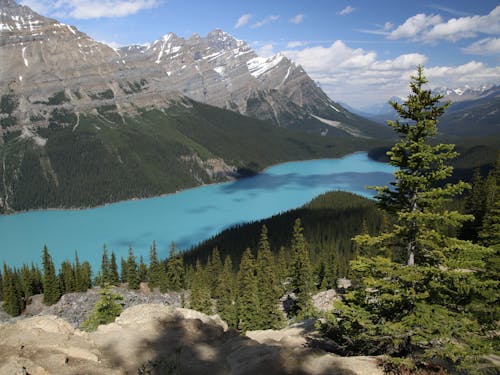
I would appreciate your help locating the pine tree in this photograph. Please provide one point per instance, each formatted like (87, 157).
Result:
(226, 304)
(214, 269)
(86, 275)
(132, 273)
(269, 291)
(301, 277)
(422, 303)
(11, 296)
(113, 276)
(282, 268)
(415, 197)
(51, 288)
(123, 270)
(80, 282)
(154, 271)
(67, 277)
(175, 270)
(200, 292)
(1, 286)
(105, 310)
(105, 274)
(142, 270)
(475, 205)
(247, 300)
(490, 231)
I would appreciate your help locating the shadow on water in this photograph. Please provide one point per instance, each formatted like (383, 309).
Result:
(353, 180)
(188, 346)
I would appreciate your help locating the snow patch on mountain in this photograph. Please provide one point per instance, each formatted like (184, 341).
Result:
(261, 65)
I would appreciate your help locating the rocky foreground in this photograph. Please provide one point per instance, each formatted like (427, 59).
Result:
(155, 338)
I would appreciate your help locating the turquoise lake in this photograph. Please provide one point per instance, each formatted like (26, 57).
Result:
(185, 218)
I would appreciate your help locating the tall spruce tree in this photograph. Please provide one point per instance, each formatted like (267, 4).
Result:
(214, 269)
(132, 271)
(67, 277)
(226, 304)
(247, 300)
(154, 271)
(51, 287)
(417, 197)
(269, 290)
(175, 269)
(420, 304)
(200, 291)
(12, 298)
(301, 273)
(113, 277)
(105, 273)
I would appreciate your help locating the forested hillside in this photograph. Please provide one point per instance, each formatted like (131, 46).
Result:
(97, 159)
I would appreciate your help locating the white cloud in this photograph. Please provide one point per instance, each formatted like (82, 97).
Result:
(360, 78)
(243, 20)
(267, 50)
(414, 26)
(466, 27)
(299, 18)
(88, 9)
(347, 10)
(488, 46)
(265, 21)
(295, 44)
(431, 28)
(388, 25)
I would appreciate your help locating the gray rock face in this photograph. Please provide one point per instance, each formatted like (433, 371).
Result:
(49, 64)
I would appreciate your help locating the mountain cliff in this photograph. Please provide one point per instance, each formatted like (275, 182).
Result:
(88, 124)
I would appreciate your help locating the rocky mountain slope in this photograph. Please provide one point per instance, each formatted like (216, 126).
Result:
(48, 64)
(88, 124)
(158, 339)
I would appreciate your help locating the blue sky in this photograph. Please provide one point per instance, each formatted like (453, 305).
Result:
(361, 52)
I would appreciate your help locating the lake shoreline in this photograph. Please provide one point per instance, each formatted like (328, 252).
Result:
(177, 191)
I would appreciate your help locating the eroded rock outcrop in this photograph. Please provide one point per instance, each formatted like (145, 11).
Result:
(159, 339)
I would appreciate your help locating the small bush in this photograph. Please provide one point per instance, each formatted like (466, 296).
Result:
(105, 310)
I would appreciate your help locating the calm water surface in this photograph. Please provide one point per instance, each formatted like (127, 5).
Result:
(186, 218)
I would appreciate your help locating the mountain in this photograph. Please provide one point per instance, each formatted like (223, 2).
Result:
(88, 124)
(47, 62)
(473, 111)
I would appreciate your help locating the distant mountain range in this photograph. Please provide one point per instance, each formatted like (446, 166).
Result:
(474, 112)
(88, 124)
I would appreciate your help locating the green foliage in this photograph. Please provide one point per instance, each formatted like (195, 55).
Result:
(226, 304)
(105, 310)
(112, 275)
(105, 273)
(132, 271)
(60, 117)
(247, 300)
(269, 290)
(11, 295)
(427, 303)
(67, 278)
(301, 276)
(214, 269)
(51, 287)
(58, 98)
(155, 270)
(106, 94)
(200, 292)
(175, 270)
(415, 197)
(8, 103)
